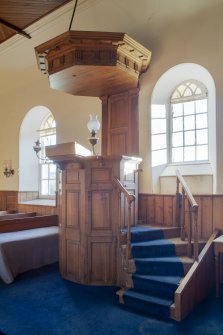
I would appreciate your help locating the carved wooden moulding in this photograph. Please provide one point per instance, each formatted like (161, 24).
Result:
(92, 63)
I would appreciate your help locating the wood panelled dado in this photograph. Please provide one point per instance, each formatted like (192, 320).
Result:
(8, 200)
(90, 217)
(120, 124)
(160, 209)
(38, 209)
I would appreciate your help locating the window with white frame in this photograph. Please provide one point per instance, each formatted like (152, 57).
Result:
(189, 123)
(47, 168)
(159, 135)
(181, 135)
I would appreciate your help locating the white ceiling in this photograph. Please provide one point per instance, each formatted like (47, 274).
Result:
(144, 20)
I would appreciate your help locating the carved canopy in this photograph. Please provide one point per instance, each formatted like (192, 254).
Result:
(93, 63)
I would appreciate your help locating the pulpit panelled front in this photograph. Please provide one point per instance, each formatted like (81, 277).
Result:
(92, 212)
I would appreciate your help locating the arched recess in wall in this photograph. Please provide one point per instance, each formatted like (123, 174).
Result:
(161, 96)
(28, 162)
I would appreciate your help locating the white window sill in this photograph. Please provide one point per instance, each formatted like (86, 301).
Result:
(188, 169)
(40, 202)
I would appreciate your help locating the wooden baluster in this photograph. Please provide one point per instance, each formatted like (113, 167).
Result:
(189, 234)
(128, 250)
(182, 219)
(178, 204)
(194, 220)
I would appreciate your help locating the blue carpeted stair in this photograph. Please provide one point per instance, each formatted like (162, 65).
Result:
(158, 272)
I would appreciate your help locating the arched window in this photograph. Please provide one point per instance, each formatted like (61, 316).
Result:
(47, 168)
(189, 123)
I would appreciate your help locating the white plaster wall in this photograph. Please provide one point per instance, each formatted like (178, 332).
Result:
(168, 184)
(196, 41)
(71, 114)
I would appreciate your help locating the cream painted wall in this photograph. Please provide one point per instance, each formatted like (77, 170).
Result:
(168, 184)
(191, 39)
(71, 114)
(196, 41)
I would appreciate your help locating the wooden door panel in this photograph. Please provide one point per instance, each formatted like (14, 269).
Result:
(72, 209)
(101, 210)
(101, 175)
(73, 260)
(102, 270)
(118, 143)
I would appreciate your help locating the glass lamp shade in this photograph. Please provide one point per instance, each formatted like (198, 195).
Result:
(93, 124)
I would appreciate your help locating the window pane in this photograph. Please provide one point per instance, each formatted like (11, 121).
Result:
(187, 92)
(177, 110)
(201, 106)
(189, 122)
(202, 136)
(52, 187)
(177, 139)
(189, 108)
(159, 157)
(159, 142)
(177, 124)
(189, 137)
(44, 168)
(53, 140)
(158, 126)
(44, 187)
(189, 153)
(158, 111)
(201, 121)
(52, 168)
(202, 152)
(177, 154)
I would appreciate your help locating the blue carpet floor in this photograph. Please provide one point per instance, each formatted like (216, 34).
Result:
(40, 302)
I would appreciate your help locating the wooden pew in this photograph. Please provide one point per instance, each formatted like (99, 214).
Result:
(25, 223)
(8, 216)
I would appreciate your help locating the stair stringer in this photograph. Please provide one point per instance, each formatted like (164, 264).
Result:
(196, 285)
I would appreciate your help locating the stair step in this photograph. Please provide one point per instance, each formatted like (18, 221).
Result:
(168, 232)
(166, 266)
(156, 248)
(146, 232)
(140, 234)
(161, 286)
(147, 304)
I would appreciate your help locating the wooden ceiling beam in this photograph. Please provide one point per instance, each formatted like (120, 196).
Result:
(18, 30)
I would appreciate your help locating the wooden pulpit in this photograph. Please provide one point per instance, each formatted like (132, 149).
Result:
(92, 213)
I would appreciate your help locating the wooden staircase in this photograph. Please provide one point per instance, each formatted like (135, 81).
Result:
(163, 270)
(152, 276)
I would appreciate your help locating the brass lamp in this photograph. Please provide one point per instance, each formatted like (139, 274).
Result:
(93, 126)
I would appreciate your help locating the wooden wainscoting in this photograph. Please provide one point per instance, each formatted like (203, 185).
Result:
(8, 200)
(160, 210)
(38, 209)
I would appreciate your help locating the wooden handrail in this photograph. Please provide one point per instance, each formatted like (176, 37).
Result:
(186, 189)
(130, 199)
(192, 227)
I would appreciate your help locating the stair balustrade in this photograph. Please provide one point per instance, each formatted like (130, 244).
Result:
(130, 198)
(190, 232)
